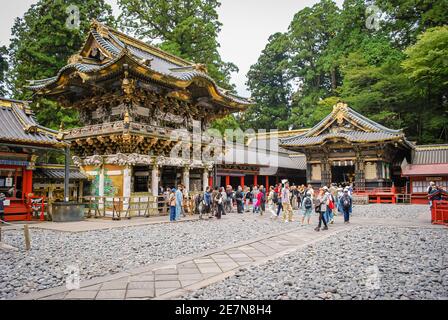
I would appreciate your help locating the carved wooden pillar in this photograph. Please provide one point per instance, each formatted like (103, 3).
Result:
(155, 180)
(360, 181)
(186, 178)
(205, 179)
(308, 172)
(325, 172)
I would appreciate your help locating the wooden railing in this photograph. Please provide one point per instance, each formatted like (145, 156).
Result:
(120, 207)
(133, 206)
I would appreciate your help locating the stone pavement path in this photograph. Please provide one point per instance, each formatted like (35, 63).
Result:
(174, 278)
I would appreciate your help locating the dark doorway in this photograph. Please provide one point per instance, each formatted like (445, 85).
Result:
(342, 174)
(141, 179)
(170, 177)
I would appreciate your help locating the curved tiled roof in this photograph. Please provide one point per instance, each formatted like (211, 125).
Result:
(430, 154)
(352, 136)
(368, 130)
(19, 126)
(117, 44)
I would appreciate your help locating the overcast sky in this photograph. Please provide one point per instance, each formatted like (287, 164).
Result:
(247, 25)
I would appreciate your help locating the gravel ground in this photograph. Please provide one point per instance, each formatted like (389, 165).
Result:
(390, 211)
(363, 263)
(103, 252)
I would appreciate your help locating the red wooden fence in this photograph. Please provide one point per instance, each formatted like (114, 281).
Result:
(439, 212)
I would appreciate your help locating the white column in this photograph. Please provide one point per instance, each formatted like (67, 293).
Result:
(126, 185)
(101, 187)
(186, 178)
(205, 179)
(155, 180)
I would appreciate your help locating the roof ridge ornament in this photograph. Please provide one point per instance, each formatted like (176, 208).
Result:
(340, 109)
(102, 30)
(200, 67)
(340, 106)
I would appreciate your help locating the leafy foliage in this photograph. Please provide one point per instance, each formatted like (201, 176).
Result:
(41, 44)
(3, 69)
(186, 28)
(330, 54)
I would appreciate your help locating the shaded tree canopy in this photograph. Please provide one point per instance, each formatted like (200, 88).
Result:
(186, 28)
(3, 70)
(42, 42)
(386, 61)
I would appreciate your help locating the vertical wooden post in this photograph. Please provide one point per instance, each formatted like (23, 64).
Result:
(26, 232)
(67, 175)
(227, 180)
(255, 180)
(242, 181)
(267, 184)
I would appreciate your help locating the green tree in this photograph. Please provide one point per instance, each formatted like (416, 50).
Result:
(186, 28)
(310, 33)
(3, 70)
(270, 86)
(426, 66)
(406, 19)
(41, 44)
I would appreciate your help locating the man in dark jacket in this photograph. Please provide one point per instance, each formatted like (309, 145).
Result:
(239, 199)
(345, 203)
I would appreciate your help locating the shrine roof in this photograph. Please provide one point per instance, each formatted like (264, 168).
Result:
(19, 126)
(430, 154)
(113, 45)
(438, 169)
(346, 124)
(57, 172)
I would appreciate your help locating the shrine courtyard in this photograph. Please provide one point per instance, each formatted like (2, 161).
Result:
(386, 252)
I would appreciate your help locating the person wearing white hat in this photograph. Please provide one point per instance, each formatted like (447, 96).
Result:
(330, 202)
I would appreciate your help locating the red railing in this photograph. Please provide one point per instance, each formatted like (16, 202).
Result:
(439, 212)
(373, 190)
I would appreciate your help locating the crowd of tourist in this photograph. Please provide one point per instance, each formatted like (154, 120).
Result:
(280, 200)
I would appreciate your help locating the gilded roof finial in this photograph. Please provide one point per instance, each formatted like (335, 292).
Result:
(340, 106)
(126, 119)
(200, 67)
(100, 28)
(60, 135)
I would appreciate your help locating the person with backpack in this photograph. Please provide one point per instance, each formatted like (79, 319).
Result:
(199, 206)
(276, 199)
(247, 197)
(224, 199)
(330, 205)
(271, 204)
(320, 209)
(229, 199)
(254, 197)
(214, 201)
(172, 204)
(307, 207)
(263, 199)
(208, 201)
(346, 204)
(239, 197)
(218, 199)
(286, 203)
